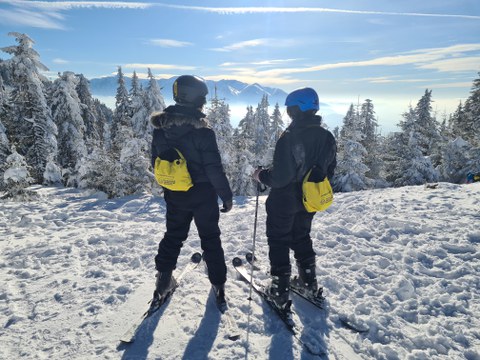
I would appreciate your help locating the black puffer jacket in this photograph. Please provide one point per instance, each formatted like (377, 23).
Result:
(187, 130)
(303, 144)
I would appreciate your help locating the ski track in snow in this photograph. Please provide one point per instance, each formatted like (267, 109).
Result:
(77, 269)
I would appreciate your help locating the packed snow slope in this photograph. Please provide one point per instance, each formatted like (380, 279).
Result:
(402, 264)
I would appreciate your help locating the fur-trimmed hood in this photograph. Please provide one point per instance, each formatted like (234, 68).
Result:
(179, 116)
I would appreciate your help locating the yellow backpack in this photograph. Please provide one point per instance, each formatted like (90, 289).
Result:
(317, 192)
(172, 172)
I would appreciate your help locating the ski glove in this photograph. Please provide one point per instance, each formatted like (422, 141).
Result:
(227, 206)
(256, 174)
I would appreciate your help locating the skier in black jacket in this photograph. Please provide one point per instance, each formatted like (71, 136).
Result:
(302, 145)
(184, 127)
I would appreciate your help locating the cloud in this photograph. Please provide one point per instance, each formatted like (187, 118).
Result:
(60, 61)
(449, 59)
(260, 10)
(31, 18)
(454, 58)
(264, 42)
(158, 66)
(262, 63)
(169, 43)
(450, 85)
(47, 15)
(68, 5)
(244, 44)
(454, 65)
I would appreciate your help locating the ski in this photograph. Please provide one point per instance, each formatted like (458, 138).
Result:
(318, 300)
(284, 314)
(252, 260)
(231, 327)
(230, 324)
(156, 303)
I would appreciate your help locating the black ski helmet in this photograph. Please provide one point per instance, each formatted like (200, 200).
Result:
(190, 91)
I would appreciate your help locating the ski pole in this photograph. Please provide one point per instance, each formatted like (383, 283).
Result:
(259, 188)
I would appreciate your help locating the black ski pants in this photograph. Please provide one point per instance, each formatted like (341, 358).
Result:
(288, 227)
(200, 204)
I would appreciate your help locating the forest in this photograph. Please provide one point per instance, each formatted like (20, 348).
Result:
(57, 133)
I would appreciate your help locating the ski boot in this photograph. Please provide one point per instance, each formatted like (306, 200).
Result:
(306, 281)
(279, 291)
(164, 284)
(219, 292)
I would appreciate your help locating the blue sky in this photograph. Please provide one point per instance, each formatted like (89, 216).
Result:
(388, 51)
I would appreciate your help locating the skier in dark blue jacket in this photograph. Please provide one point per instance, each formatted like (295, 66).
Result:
(183, 126)
(302, 145)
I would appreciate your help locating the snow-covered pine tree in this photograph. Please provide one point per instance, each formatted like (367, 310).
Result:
(242, 168)
(455, 159)
(277, 126)
(471, 127)
(130, 149)
(244, 161)
(152, 102)
(4, 151)
(16, 177)
(28, 119)
(218, 115)
(246, 129)
(155, 101)
(458, 123)
(67, 114)
(138, 110)
(133, 177)
(105, 117)
(94, 120)
(262, 147)
(351, 169)
(412, 167)
(121, 128)
(371, 143)
(428, 128)
(98, 170)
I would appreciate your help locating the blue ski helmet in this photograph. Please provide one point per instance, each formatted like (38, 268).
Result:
(305, 98)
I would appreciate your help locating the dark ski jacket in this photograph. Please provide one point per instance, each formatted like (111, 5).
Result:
(187, 130)
(303, 144)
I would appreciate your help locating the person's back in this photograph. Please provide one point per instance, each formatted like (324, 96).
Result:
(183, 127)
(302, 145)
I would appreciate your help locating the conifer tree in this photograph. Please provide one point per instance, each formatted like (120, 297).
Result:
(277, 125)
(94, 120)
(246, 128)
(411, 166)
(262, 146)
(98, 170)
(351, 169)
(4, 151)
(121, 129)
(455, 158)
(371, 142)
(29, 120)
(16, 177)
(155, 99)
(471, 126)
(139, 112)
(428, 136)
(218, 115)
(67, 114)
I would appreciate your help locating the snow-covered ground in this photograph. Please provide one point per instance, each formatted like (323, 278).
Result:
(76, 269)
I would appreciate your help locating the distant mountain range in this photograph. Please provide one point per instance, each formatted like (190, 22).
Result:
(233, 91)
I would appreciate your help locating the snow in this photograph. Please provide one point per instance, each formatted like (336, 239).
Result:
(402, 264)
